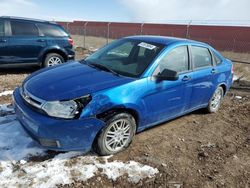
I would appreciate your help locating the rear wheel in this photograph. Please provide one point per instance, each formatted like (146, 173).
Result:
(53, 59)
(117, 135)
(216, 100)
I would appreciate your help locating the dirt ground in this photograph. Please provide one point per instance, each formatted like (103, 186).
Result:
(196, 150)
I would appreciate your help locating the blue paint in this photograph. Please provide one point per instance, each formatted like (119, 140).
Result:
(153, 101)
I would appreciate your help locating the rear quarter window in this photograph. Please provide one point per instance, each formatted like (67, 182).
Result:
(52, 30)
(1, 28)
(201, 57)
(217, 60)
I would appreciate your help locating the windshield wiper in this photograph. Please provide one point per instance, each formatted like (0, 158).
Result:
(87, 63)
(99, 66)
(102, 67)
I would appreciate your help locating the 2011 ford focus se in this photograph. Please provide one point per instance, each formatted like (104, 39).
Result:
(125, 87)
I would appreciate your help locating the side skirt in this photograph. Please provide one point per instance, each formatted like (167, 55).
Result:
(141, 128)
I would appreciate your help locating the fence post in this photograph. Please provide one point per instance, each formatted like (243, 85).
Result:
(67, 26)
(234, 45)
(187, 32)
(142, 24)
(108, 32)
(85, 32)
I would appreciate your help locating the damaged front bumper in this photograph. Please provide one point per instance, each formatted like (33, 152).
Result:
(56, 134)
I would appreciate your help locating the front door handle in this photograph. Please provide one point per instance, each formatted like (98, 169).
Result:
(213, 71)
(3, 40)
(186, 78)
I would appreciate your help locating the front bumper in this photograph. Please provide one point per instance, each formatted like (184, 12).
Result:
(56, 134)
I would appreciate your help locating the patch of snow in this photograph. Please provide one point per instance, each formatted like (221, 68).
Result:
(7, 119)
(6, 109)
(209, 145)
(92, 49)
(235, 77)
(238, 97)
(16, 170)
(134, 170)
(22, 162)
(5, 93)
(61, 170)
(15, 144)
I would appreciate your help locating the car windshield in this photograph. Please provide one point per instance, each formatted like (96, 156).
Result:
(126, 57)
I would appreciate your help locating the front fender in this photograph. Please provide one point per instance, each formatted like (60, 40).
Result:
(126, 96)
(103, 103)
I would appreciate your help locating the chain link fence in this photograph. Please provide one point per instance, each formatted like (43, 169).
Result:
(224, 38)
(232, 41)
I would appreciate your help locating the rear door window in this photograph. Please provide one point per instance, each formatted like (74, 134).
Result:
(1, 28)
(20, 28)
(201, 57)
(52, 30)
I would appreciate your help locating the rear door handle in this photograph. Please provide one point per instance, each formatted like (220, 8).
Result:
(3, 40)
(186, 78)
(40, 40)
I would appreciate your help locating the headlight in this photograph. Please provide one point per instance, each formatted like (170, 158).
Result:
(66, 109)
(61, 109)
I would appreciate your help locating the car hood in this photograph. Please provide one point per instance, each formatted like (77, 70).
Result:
(69, 81)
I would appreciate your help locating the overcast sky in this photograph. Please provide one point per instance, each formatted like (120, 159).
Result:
(156, 11)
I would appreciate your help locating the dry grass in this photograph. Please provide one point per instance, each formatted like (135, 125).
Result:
(90, 42)
(240, 69)
(236, 56)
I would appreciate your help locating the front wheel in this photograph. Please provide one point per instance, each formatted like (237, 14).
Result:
(117, 135)
(216, 100)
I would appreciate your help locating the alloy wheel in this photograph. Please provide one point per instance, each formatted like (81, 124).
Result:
(216, 99)
(118, 135)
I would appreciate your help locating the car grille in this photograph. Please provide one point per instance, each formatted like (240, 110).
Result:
(31, 100)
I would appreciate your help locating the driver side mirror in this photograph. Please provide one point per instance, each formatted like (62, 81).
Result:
(167, 74)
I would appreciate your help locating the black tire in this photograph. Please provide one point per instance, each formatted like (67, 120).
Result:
(47, 61)
(101, 142)
(212, 108)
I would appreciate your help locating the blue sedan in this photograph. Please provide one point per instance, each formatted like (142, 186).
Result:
(132, 84)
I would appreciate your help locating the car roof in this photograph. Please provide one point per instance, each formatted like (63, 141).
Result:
(165, 40)
(26, 19)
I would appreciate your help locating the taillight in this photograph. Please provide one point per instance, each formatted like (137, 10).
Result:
(70, 40)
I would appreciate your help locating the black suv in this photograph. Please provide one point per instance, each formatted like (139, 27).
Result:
(33, 42)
